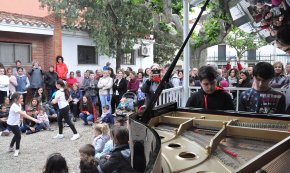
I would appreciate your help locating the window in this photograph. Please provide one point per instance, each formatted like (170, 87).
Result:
(222, 52)
(87, 55)
(10, 52)
(252, 54)
(129, 58)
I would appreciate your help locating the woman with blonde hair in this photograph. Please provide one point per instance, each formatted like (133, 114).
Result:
(105, 86)
(279, 80)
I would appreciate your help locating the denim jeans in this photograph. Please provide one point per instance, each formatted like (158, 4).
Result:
(94, 99)
(106, 101)
(86, 117)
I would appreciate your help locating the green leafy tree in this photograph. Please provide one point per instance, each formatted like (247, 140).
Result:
(167, 28)
(242, 41)
(115, 25)
(216, 24)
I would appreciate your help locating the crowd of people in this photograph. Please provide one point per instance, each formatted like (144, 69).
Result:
(274, 17)
(31, 100)
(272, 14)
(259, 98)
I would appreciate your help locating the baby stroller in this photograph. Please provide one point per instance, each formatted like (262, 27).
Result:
(128, 104)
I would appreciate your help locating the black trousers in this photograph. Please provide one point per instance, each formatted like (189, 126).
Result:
(75, 109)
(2, 95)
(115, 102)
(64, 113)
(17, 136)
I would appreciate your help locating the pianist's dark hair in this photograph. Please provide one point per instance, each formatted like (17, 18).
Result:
(283, 35)
(207, 72)
(264, 70)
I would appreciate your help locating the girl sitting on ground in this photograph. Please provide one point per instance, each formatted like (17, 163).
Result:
(43, 119)
(55, 163)
(40, 95)
(7, 103)
(3, 119)
(88, 164)
(32, 109)
(101, 137)
(86, 109)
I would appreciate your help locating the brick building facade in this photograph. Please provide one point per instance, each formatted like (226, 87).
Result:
(42, 35)
(30, 33)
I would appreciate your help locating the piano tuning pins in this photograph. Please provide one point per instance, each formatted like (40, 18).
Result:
(273, 126)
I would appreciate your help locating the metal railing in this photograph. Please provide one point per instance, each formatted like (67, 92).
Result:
(170, 95)
(266, 58)
(176, 94)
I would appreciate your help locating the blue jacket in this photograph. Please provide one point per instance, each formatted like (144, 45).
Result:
(22, 83)
(109, 146)
(76, 94)
(99, 142)
(109, 119)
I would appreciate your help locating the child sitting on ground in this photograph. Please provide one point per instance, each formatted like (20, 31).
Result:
(101, 137)
(3, 121)
(120, 121)
(87, 161)
(43, 118)
(119, 158)
(107, 117)
(55, 163)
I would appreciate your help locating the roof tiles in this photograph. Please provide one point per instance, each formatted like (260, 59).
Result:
(18, 19)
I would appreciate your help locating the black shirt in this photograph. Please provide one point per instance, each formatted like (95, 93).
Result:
(219, 100)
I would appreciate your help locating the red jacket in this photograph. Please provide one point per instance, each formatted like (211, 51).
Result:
(240, 67)
(61, 70)
(70, 81)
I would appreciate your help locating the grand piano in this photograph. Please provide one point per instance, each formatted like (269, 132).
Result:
(171, 139)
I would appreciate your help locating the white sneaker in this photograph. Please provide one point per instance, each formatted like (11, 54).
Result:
(58, 136)
(11, 149)
(75, 137)
(16, 153)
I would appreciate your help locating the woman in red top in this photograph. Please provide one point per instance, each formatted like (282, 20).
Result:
(86, 109)
(71, 80)
(60, 68)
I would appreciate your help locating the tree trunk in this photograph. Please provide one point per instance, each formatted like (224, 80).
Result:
(119, 54)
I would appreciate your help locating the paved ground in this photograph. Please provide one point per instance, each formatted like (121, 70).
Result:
(35, 148)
